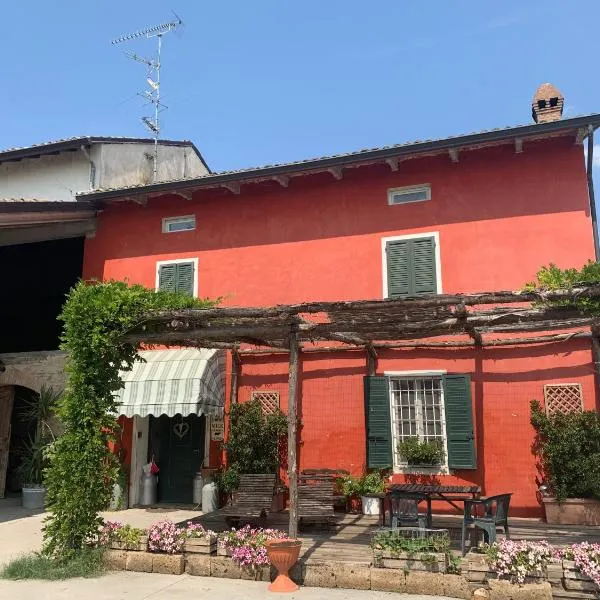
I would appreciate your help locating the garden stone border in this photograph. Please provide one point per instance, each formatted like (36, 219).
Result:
(561, 582)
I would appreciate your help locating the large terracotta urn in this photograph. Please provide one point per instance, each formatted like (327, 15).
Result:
(283, 555)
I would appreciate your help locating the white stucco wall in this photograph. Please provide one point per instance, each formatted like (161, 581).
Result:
(56, 177)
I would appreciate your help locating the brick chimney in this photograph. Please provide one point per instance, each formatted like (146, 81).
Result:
(547, 104)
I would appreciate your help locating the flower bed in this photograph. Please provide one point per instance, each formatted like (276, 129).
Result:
(199, 540)
(246, 546)
(523, 561)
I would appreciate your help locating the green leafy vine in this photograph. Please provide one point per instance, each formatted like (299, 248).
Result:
(82, 468)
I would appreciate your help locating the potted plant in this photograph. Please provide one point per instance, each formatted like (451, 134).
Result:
(368, 487)
(567, 446)
(421, 453)
(39, 408)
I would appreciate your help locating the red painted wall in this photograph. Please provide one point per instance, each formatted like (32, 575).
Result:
(500, 216)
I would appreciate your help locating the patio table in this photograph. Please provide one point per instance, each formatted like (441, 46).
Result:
(429, 492)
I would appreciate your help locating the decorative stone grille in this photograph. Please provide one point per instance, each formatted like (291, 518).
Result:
(269, 401)
(563, 398)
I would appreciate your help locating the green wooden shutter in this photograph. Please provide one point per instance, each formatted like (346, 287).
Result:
(411, 268)
(378, 422)
(167, 277)
(398, 268)
(423, 266)
(459, 422)
(185, 278)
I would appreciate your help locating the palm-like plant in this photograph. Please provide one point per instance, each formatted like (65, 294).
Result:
(39, 408)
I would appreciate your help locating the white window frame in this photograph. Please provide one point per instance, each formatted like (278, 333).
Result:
(167, 220)
(409, 188)
(400, 468)
(159, 263)
(412, 236)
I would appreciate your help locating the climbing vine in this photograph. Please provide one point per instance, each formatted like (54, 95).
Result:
(82, 468)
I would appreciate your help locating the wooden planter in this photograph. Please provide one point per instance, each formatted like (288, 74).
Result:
(204, 545)
(572, 511)
(433, 562)
(221, 551)
(141, 547)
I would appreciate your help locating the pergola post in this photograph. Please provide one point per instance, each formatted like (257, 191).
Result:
(235, 371)
(292, 434)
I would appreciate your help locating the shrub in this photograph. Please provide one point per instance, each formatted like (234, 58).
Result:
(568, 449)
(396, 544)
(227, 481)
(256, 440)
(417, 452)
(117, 532)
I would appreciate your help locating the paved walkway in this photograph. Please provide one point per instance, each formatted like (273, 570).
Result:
(140, 586)
(21, 530)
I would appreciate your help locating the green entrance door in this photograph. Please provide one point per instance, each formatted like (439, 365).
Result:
(181, 441)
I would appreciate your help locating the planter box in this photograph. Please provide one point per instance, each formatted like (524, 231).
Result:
(141, 547)
(223, 551)
(205, 545)
(572, 511)
(419, 561)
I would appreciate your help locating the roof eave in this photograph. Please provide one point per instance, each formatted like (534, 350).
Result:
(523, 132)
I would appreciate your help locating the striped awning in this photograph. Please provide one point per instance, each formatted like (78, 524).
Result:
(189, 381)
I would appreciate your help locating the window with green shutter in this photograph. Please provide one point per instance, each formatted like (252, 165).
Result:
(177, 277)
(411, 267)
(427, 407)
(459, 422)
(378, 422)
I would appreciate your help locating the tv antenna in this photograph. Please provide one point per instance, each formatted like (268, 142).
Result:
(152, 93)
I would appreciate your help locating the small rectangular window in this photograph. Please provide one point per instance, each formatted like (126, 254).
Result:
(174, 224)
(406, 195)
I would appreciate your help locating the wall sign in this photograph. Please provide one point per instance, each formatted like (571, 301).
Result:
(217, 430)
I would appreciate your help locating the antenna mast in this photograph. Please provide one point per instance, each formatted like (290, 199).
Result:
(152, 93)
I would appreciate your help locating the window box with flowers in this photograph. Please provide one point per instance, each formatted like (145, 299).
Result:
(118, 536)
(246, 546)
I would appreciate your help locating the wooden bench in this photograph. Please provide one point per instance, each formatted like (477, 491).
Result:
(316, 497)
(253, 499)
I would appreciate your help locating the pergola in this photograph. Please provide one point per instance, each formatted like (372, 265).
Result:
(484, 319)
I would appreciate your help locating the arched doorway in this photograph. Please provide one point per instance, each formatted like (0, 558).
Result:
(15, 430)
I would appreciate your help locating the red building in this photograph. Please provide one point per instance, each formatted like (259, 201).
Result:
(475, 212)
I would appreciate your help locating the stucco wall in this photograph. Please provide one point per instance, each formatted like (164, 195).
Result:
(56, 177)
(128, 164)
(34, 369)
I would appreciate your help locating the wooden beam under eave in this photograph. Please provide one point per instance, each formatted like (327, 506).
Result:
(282, 180)
(141, 200)
(293, 434)
(337, 172)
(184, 195)
(518, 145)
(453, 153)
(393, 163)
(371, 360)
(581, 135)
(233, 187)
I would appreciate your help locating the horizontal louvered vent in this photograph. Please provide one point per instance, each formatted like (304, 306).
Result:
(406, 195)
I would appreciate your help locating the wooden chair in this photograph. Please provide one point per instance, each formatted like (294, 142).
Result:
(495, 514)
(316, 497)
(404, 511)
(253, 498)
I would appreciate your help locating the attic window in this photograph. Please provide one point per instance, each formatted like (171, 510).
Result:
(175, 224)
(406, 195)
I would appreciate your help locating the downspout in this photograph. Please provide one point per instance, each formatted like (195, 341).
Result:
(590, 182)
(92, 168)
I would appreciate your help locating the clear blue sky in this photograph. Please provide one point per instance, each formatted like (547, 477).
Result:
(268, 81)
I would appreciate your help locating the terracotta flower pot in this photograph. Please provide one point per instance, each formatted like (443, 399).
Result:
(283, 554)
